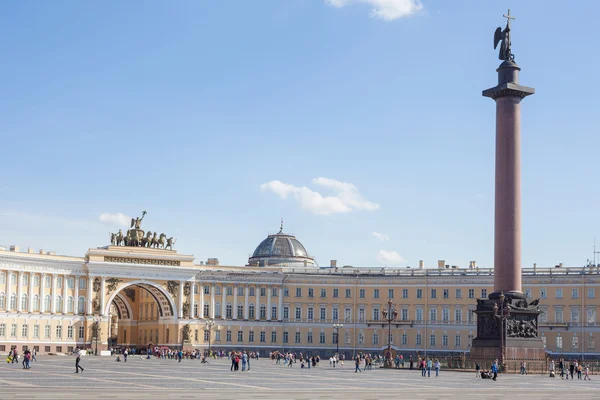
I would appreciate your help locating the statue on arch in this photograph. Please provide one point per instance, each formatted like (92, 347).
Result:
(136, 222)
(170, 243)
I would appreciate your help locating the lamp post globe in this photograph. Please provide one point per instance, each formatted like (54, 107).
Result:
(337, 328)
(209, 324)
(96, 332)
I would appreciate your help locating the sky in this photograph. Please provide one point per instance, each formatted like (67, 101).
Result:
(359, 122)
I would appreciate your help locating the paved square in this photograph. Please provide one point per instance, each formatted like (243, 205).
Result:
(53, 377)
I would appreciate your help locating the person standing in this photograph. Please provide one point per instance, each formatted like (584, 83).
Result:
(561, 366)
(437, 366)
(77, 360)
(477, 370)
(429, 365)
(551, 368)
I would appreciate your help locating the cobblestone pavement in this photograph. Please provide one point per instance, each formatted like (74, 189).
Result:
(53, 377)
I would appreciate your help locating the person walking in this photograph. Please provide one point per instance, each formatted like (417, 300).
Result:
(495, 370)
(33, 355)
(561, 366)
(551, 368)
(357, 364)
(572, 369)
(77, 360)
(586, 377)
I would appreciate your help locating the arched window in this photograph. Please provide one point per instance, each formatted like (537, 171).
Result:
(36, 302)
(47, 303)
(58, 303)
(13, 302)
(2, 301)
(81, 305)
(70, 304)
(24, 305)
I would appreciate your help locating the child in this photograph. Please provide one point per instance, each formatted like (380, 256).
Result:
(586, 376)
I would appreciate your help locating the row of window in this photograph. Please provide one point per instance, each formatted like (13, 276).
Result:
(591, 293)
(446, 314)
(433, 294)
(58, 331)
(47, 280)
(47, 304)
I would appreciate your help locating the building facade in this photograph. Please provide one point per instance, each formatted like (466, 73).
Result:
(139, 297)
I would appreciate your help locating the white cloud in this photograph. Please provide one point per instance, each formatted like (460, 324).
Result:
(384, 9)
(346, 198)
(389, 257)
(381, 236)
(115, 219)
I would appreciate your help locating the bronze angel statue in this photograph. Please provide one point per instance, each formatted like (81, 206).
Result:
(503, 37)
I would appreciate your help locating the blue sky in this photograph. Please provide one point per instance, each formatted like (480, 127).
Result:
(191, 109)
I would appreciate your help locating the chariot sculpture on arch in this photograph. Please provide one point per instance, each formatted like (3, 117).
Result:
(136, 237)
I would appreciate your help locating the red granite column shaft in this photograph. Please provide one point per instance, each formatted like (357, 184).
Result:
(507, 228)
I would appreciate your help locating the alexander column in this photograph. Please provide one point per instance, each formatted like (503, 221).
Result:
(507, 221)
(507, 325)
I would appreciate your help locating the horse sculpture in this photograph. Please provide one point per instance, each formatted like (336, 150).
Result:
(160, 243)
(147, 240)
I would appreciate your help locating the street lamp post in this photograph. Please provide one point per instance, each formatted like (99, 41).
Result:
(96, 332)
(389, 315)
(209, 324)
(337, 328)
(502, 314)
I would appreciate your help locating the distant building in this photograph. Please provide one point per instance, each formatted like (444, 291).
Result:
(280, 301)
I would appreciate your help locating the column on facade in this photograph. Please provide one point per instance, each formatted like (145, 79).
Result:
(280, 307)
(102, 293)
(201, 287)
(180, 300)
(191, 299)
(19, 290)
(212, 301)
(234, 311)
(76, 296)
(257, 307)
(42, 291)
(31, 292)
(246, 302)
(90, 285)
(224, 302)
(268, 303)
(53, 295)
(65, 293)
(7, 284)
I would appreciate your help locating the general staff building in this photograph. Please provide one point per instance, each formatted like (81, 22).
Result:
(129, 296)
